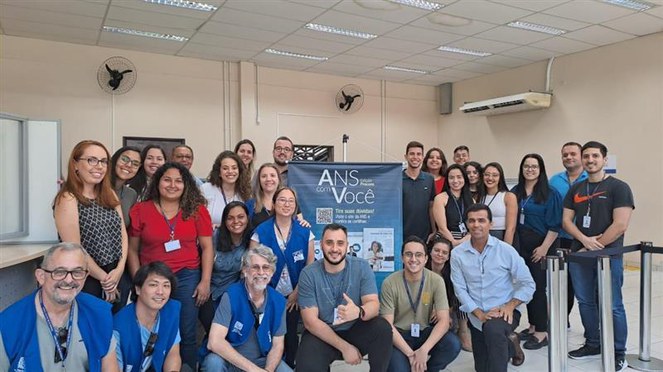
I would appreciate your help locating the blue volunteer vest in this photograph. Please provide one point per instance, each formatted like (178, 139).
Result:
(298, 242)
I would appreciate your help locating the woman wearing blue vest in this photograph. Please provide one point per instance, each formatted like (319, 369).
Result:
(293, 246)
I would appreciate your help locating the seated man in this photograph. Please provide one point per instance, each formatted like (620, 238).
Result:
(249, 324)
(339, 306)
(147, 331)
(410, 299)
(491, 280)
(56, 327)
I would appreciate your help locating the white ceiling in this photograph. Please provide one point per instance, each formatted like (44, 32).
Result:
(240, 30)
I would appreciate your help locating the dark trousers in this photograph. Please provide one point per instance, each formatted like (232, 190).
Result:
(372, 337)
(537, 309)
(491, 347)
(442, 354)
(570, 293)
(206, 313)
(291, 339)
(93, 287)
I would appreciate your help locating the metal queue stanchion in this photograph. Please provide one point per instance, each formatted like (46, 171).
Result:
(605, 310)
(555, 358)
(563, 308)
(643, 361)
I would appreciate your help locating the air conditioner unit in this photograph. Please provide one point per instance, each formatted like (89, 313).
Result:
(508, 104)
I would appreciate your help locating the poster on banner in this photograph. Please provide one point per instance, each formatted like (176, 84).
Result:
(364, 197)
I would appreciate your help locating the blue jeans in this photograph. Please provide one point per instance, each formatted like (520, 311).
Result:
(214, 363)
(187, 281)
(585, 284)
(443, 353)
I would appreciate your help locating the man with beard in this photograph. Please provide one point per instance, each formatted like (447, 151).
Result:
(147, 331)
(282, 153)
(249, 326)
(418, 194)
(339, 306)
(414, 302)
(56, 327)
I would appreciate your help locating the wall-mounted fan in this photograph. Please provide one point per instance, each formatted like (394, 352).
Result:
(116, 75)
(349, 99)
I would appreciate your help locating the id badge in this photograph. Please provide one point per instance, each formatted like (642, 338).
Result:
(172, 245)
(260, 316)
(298, 256)
(462, 228)
(337, 319)
(414, 329)
(522, 218)
(586, 221)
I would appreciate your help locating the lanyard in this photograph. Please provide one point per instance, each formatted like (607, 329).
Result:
(285, 241)
(524, 203)
(491, 199)
(171, 226)
(591, 196)
(337, 293)
(225, 201)
(58, 348)
(460, 209)
(414, 305)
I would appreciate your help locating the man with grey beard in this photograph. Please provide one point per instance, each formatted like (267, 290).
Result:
(57, 328)
(248, 330)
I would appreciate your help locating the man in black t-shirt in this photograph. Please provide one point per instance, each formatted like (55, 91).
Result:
(597, 213)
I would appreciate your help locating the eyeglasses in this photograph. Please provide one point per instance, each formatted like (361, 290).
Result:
(257, 268)
(284, 201)
(149, 347)
(530, 167)
(127, 160)
(63, 334)
(418, 255)
(60, 274)
(94, 161)
(282, 149)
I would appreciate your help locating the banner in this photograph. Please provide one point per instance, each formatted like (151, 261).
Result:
(364, 197)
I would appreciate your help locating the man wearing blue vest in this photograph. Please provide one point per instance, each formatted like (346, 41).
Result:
(146, 331)
(56, 327)
(249, 325)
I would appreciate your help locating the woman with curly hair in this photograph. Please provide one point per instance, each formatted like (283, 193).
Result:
(87, 211)
(227, 181)
(436, 164)
(169, 226)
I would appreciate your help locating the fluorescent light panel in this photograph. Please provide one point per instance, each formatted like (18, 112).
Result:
(185, 4)
(339, 31)
(154, 35)
(536, 27)
(464, 51)
(421, 4)
(296, 55)
(631, 4)
(405, 69)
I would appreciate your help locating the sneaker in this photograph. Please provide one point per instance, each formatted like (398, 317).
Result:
(620, 364)
(585, 352)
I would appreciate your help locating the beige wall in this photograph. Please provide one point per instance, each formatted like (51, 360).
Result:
(612, 94)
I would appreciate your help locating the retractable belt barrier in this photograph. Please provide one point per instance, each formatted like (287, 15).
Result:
(557, 277)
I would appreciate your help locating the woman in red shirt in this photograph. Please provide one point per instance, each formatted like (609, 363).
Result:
(169, 226)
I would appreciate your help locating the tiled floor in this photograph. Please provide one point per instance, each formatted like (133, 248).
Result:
(537, 360)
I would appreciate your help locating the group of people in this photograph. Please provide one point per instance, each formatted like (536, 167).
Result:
(581, 208)
(234, 253)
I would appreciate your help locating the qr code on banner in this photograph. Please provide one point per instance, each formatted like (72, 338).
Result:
(324, 216)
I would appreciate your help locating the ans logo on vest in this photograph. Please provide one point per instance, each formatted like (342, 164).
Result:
(237, 328)
(20, 366)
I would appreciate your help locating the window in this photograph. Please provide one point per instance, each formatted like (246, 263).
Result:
(13, 177)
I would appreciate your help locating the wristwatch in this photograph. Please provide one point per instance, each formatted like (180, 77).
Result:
(361, 312)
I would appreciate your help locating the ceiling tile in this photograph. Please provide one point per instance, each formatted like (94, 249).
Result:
(486, 11)
(460, 74)
(276, 8)
(504, 61)
(240, 32)
(390, 75)
(344, 59)
(386, 54)
(535, 6)
(426, 60)
(305, 32)
(473, 27)
(259, 21)
(152, 18)
(400, 14)
(142, 27)
(336, 68)
(562, 45)
(266, 59)
(215, 52)
(314, 44)
(553, 21)
(400, 45)
(598, 35)
(637, 24)
(83, 8)
(432, 80)
(139, 43)
(531, 53)
(657, 10)
(423, 35)
(479, 67)
(45, 31)
(166, 9)
(229, 42)
(353, 22)
(512, 35)
(588, 11)
(483, 45)
(50, 17)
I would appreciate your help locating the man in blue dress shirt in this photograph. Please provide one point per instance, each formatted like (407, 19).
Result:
(491, 280)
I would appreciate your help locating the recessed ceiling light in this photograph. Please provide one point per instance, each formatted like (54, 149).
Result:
(339, 31)
(296, 55)
(464, 51)
(155, 35)
(185, 4)
(631, 4)
(377, 5)
(448, 20)
(405, 69)
(537, 28)
(421, 4)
